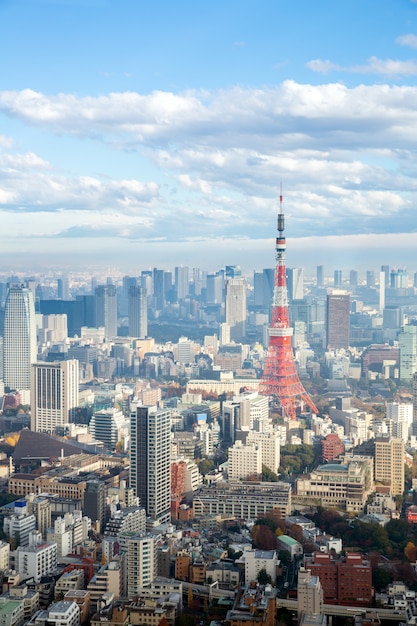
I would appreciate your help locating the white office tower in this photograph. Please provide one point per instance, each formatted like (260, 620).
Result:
(244, 461)
(224, 334)
(236, 308)
(141, 563)
(150, 459)
(19, 339)
(181, 282)
(401, 416)
(54, 394)
(137, 312)
(407, 341)
(54, 329)
(269, 445)
(295, 283)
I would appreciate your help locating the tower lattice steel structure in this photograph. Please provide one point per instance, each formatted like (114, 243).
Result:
(280, 378)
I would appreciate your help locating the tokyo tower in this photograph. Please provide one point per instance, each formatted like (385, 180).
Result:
(280, 378)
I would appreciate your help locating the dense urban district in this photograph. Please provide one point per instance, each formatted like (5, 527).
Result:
(215, 448)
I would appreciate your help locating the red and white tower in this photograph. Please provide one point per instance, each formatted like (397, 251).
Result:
(280, 378)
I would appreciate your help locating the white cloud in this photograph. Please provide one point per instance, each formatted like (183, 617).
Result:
(384, 67)
(409, 40)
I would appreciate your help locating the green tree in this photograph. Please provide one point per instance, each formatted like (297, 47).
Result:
(268, 475)
(263, 577)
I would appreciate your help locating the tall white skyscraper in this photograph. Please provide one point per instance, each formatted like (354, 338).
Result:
(137, 312)
(19, 339)
(295, 283)
(54, 394)
(181, 282)
(236, 307)
(150, 460)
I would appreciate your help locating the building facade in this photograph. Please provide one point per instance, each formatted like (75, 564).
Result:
(150, 460)
(54, 394)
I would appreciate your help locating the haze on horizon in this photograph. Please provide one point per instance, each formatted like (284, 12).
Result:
(156, 134)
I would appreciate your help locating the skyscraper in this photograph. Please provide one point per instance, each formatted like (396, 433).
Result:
(338, 320)
(295, 283)
(54, 394)
(407, 341)
(236, 308)
(150, 460)
(181, 282)
(337, 281)
(137, 312)
(320, 276)
(389, 463)
(106, 309)
(19, 339)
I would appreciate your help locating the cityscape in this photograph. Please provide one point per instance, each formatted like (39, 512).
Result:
(208, 313)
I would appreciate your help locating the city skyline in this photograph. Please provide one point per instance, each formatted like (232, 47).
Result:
(142, 135)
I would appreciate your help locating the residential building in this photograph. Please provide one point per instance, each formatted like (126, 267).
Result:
(389, 463)
(36, 559)
(150, 460)
(345, 580)
(141, 563)
(309, 593)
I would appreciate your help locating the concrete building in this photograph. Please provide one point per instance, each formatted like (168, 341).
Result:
(20, 524)
(150, 460)
(246, 500)
(19, 340)
(106, 425)
(244, 461)
(61, 613)
(407, 341)
(137, 311)
(11, 612)
(141, 563)
(269, 445)
(345, 580)
(389, 463)
(54, 394)
(309, 593)
(62, 536)
(345, 485)
(256, 560)
(338, 320)
(106, 309)
(401, 417)
(236, 308)
(37, 559)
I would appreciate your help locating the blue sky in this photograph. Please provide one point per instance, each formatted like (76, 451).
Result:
(136, 134)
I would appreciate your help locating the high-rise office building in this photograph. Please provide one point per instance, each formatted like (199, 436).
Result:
(182, 282)
(137, 312)
(320, 276)
(63, 288)
(415, 404)
(353, 278)
(150, 460)
(385, 269)
(389, 463)
(337, 279)
(295, 283)
(19, 339)
(106, 309)
(399, 278)
(370, 278)
(54, 394)
(236, 308)
(407, 341)
(338, 320)
(214, 289)
(159, 288)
